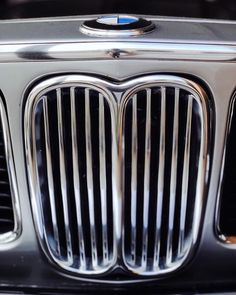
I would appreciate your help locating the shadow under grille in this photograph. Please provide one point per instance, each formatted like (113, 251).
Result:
(74, 157)
(162, 153)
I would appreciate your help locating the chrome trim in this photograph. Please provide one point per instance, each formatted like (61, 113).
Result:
(90, 179)
(89, 50)
(117, 95)
(12, 235)
(173, 180)
(146, 186)
(134, 180)
(160, 180)
(76, 178)
(103, 182)
(185, 174)
(63, 178)
(50, 174)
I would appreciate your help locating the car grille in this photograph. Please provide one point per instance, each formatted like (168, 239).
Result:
(73, 129)
(163, 142)
(97, 147)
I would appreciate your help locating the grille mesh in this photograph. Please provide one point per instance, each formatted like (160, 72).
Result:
(162, 135)
(74, 152)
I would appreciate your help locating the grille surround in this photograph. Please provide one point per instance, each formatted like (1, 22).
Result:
(11, 235)
(124, 90)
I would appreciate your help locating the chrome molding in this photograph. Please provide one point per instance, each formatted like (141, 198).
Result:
(117, 95)
(117, 50)
(12, 235)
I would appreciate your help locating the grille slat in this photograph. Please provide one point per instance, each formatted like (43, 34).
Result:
(134, 180)
(63, 177)
(185, 180)
(89, 161)
(50, 175)
(160, 183)
(173, 179)
(76, 180)
(146, 192)
(103, 184)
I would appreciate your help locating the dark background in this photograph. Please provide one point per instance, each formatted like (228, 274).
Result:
(219, 9)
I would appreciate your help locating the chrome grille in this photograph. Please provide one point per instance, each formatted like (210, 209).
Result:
(163, 152)
(73, 126)
(117, 171)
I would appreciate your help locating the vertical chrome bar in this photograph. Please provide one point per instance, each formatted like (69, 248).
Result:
(76, 179)
(90, 178)
(103, 183)
(173, 179)
(134, 155)
(146, 192)
(185, 178)
(63, 177)
(160, 181)
(50, 175)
